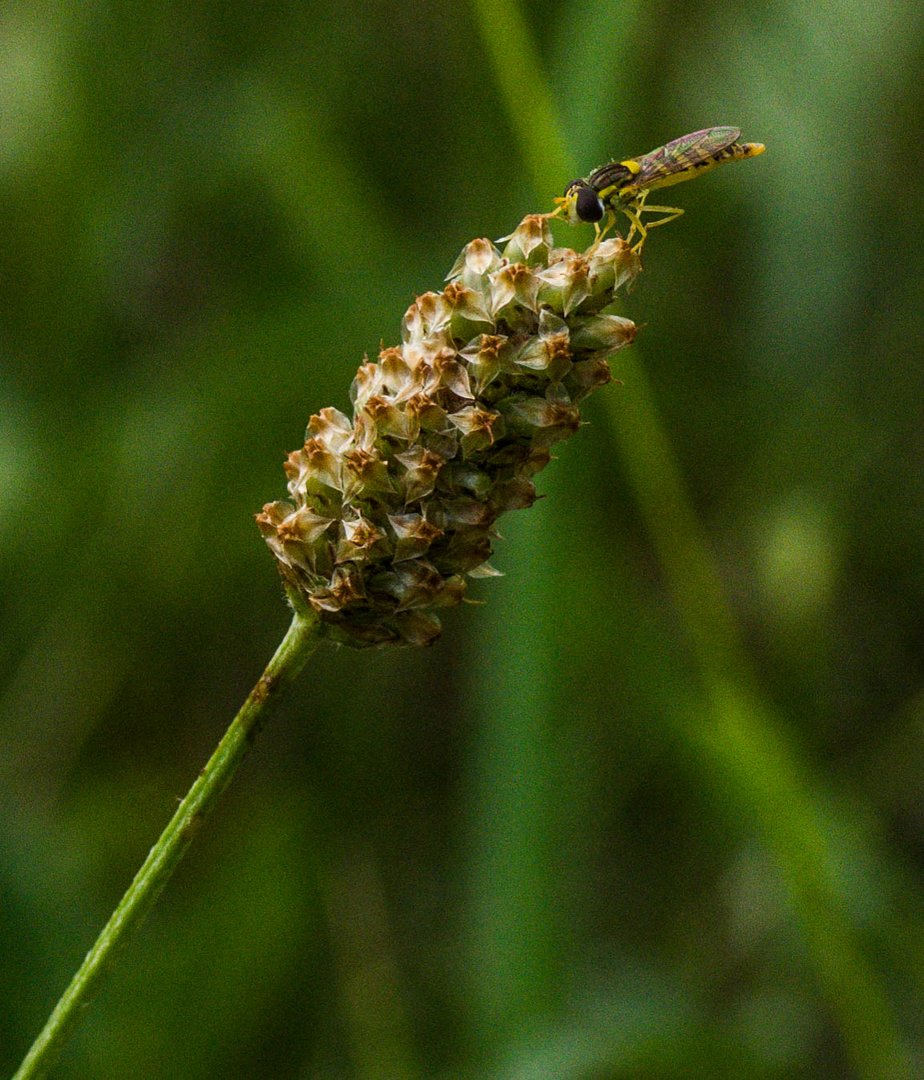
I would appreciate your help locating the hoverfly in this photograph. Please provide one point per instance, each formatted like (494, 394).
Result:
(623, 186)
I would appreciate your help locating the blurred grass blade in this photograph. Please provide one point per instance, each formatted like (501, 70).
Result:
(740, 742)
(525, 92)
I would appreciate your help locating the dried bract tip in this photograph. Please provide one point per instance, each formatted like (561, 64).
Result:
(391, 511)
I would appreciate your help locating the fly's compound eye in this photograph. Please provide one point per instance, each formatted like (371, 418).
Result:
(588, 205)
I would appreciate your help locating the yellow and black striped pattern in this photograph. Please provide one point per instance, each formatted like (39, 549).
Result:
(623, 186)
(682, 159)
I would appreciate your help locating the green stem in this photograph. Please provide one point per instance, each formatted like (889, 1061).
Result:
(300, 641)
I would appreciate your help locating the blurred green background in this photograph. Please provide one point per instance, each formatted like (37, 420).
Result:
(582, 836)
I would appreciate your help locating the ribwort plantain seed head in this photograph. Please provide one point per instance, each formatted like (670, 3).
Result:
(390, 511)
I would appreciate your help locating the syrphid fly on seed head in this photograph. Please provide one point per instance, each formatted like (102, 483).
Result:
(623, 186)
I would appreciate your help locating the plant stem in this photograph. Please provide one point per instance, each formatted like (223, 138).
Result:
(300, 641)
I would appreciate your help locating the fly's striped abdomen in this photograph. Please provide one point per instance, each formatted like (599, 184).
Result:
(686, 157)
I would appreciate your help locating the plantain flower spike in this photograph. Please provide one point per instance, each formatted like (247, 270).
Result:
(393, 509)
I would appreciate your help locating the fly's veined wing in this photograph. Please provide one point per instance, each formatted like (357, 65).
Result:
(684, 153)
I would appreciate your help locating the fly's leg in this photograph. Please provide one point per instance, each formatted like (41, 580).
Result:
(672, 212)
(601, 229)
(634, 214)
(634, 211)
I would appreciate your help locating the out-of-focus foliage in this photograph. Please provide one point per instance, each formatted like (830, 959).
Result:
(499, 857)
